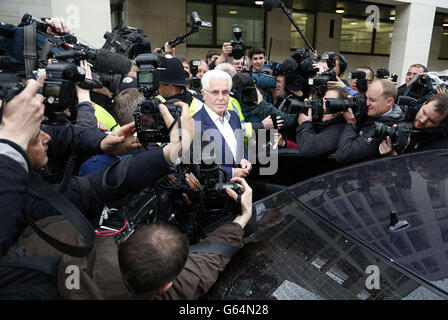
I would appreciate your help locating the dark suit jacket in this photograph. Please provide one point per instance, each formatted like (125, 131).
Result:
(223, 154)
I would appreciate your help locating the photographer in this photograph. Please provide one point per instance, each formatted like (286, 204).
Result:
(226, 52)
(156, 264)
(413, 71)
(356, 142)
(320, 139)
(353, 88)
(430, 128)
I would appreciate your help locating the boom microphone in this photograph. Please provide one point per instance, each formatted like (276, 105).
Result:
(271, 4)
(241, 79)
(109, 61)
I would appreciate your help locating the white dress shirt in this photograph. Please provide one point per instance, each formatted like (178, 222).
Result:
(224, 127)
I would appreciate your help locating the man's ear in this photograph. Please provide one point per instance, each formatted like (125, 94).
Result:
(165, 287)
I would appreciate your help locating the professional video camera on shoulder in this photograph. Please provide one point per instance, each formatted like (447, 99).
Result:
(149, 122)
(238, 46)
(246, 84)
(195, 82)
(127, 41)
(421, 88)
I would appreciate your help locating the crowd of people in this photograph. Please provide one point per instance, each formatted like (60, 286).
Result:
(44, 207)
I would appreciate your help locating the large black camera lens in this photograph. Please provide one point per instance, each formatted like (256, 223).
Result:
(195, 84)
(382, 131)
(337, 105)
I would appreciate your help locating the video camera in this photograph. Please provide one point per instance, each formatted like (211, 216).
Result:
(421, 88)
(127, 41)
(149, 122)
(361, 80)
(399, 135)
(238, 47)
(42, 26)
(195, 82)
(246, 84)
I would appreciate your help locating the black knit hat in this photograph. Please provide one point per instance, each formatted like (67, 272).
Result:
(174, 73)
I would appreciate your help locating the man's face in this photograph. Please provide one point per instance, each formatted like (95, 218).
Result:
(412, 72)
(428, 116)
(186, 66)
(166, 90)
(331, 94)
(377, 104)
(258, 60)
(213, 58)
(203, 68)
(280, 87)
(37, 150)
(217, 96)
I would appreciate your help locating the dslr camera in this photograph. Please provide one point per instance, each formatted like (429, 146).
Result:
(213, 196)
(149, 122)
(399, 135)
(383, 73)
(294, 106)
(238, 47)
(195, 82)
(358, 104)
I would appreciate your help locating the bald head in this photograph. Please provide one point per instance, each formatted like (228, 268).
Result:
(226, 67)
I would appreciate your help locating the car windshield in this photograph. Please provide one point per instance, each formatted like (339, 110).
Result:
(291, 253)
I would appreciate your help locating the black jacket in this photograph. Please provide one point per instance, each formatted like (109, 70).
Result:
(322, 141)
(65, 140)
(429, 139)
(355, 146)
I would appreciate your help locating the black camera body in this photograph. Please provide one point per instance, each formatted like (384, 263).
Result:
(238, 46)
(383, 73)
(361, 80)
(295, 106)
(59, 86)
(398, 136)
(318, 83)
(195, 82)
(422, 87)
(410, 107)
(149, 122)
(213, 196)
(10, 85)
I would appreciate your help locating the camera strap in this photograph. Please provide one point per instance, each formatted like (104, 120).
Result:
(40, 188)
(29, 48)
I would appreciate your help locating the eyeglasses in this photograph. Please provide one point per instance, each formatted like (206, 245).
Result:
(215, 93)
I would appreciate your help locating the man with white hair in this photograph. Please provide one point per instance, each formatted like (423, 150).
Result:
(222, 126)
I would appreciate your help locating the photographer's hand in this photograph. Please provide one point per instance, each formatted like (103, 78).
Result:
(226, 51)
(192, 181)
(246, 201)
(349, 116)
(59, 24)
(23, 114)
(84, 94)
(305, 117)
(268, 124)
(336, 84)
(386, 149)
(173, 150)
(245, 164)
(121, 141)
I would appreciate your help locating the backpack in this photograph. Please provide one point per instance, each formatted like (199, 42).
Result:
(94, 277)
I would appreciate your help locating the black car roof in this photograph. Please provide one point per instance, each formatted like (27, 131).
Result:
(359, 200)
